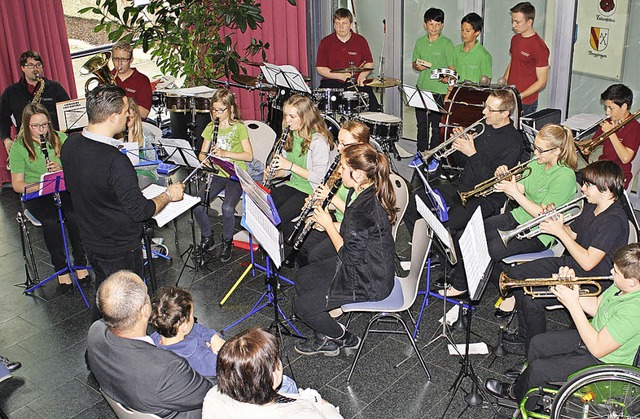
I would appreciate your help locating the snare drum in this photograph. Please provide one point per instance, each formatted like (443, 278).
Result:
(176, 103)
(384, 128)
(328, 100)
(354, 102)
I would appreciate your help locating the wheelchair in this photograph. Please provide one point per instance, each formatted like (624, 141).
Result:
(601, 391)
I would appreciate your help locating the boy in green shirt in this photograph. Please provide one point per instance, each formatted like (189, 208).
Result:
(470, 59)
(434, 51)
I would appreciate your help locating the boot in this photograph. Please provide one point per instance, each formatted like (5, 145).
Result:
(207, 243)
(225, 252)
(319, 345)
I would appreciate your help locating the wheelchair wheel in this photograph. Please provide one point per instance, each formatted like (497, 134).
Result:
(603, 391)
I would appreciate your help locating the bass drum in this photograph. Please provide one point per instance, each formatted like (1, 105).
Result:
(333, 126)
(466, 103)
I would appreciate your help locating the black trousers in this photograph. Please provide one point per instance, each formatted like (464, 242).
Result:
(428, 120)
(316, 247)
(553, 356)
(289, 202)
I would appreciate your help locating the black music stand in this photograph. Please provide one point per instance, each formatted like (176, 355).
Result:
(53, 185)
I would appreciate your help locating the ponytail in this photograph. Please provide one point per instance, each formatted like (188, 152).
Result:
(561, 137)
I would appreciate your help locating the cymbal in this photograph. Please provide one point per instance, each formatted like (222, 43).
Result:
(382, 82)
(351, 69)
(243, 79)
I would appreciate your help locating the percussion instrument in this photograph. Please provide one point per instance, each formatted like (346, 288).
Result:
(384, 128)
(176, 103)
(354, 102)
(244, 79)
(202, 104)
(328, 100)
(351, 69)
(333, 126)
(281, 96)
(382, 82)
(466, 103)
(157, 99)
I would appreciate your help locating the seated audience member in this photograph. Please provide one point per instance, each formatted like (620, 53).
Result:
(249, 372)
(612, 336)
(128, 366)
(590, 241)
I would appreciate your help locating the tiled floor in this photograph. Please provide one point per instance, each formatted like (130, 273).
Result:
(49, 338)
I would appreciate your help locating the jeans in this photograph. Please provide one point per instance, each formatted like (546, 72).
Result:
(529, 109)
(232, 195)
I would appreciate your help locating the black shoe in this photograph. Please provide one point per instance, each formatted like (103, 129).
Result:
(64, 288)
(225, 252)
(348, 342)
(11, 366)
(436, 259)
(319, 345)
(207, 243)
(513, 338)
(501, 314)
(515, 371)
(500, 390)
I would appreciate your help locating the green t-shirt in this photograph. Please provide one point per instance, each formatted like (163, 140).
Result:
(621, 315)
(473, 64)
(440, 54)
(229, 139)
(296, 157)
(19, 159)
(554, 186)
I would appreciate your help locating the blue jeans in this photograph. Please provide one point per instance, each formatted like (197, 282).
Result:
(528, 109)
(288, 386)
(232, 195)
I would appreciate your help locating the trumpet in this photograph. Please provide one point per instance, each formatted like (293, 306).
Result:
(487, 187)
(445, 149)
(588, 146)
(585, 283)
(531, 228)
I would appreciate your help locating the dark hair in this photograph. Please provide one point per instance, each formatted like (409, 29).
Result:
(103, 101)
(27, 140)
(29, 54)
(618, 94)
(434, 14)
(120, 298)
(311, 121)
(605, 175)
(474, 20)
(376, 167)
(358, 130)
(170, 307)
(627, 259)
(229, 99)
(526, 9)
(506, 98)
(342, 13)
(245, 366)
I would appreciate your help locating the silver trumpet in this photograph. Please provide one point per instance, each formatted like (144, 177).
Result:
(445, 148)
(531, 228)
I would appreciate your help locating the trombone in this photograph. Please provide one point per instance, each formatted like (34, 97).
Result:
(589, 145)
(585, 283)
(445, 148)
(487, 187)
(531, 228)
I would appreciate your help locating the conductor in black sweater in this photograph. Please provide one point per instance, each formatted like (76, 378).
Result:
(103, 185)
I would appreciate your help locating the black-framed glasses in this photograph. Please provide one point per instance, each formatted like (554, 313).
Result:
(542, 151)
(121, 60)
(31, 66)
(38, 126)
(493, 110)
(218, 110)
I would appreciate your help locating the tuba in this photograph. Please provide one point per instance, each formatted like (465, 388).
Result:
(98, 65)
(585, 283)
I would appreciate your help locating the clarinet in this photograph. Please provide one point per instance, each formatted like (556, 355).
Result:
(275, 150)
(43, 148)
(289, 262)
(210, 174)
(306, 210)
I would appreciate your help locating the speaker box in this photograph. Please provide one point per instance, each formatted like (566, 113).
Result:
(542, 117)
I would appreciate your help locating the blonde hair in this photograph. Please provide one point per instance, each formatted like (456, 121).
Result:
(136, 132)
(311, 121)
(561, 137)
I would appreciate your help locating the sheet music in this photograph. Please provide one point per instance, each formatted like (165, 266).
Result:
(583, 121)
(417, 98)
(256, 193)
(263, 230)
(475, 253)
(284, 76)
(173, 209)
(171, 146)
(434, 223)
(197, 90)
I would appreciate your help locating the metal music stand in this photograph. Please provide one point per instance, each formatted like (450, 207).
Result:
(260, 218)
(285, 76)
(53, 184)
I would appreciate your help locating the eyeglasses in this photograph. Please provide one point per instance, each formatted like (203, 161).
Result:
(493, 110)
(38, 126)
(218, 110)
(31, 66)
(121, 60)
(541, 151)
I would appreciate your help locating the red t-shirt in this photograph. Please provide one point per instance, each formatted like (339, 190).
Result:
(629, 135)
(334, 54)
(526, 55)
(137, 87)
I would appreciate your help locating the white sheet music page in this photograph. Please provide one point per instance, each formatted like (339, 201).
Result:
(263, 230)
(434, 223)
(173, 209)
(475, 253)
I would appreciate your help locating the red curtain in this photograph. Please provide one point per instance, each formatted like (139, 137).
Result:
(36, 25)
(285, 29)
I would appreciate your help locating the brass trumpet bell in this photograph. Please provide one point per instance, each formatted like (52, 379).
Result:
(589, 286)
(98, 65)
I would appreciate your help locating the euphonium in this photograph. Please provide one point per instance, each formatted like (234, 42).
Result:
(487, 187)
(588, 146)
(445, 148)
(527, 285)
(531, 228)
(277, 148)
(98, 65)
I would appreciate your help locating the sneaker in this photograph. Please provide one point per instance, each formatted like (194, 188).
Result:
(11, 366)
(319, 345)
(349, 342)
(225, 251)
(207, 243)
